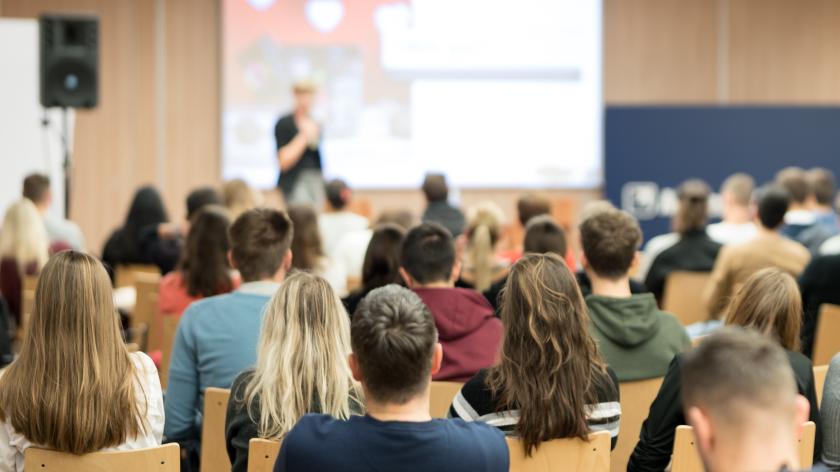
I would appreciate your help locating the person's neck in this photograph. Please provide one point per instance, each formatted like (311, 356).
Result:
(415, 410)
(440, 284)
(276, 279)
(614, 288)
(769, 232)
(737, 216)
(798, 207)
(822, 209)
(757, 452)
(301, 113)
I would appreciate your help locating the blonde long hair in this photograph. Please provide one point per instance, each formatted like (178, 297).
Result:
(73, 386)
(301, 357)
(484, 223)
(24, 236)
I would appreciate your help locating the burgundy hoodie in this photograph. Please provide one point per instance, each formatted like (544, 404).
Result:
(470, 334)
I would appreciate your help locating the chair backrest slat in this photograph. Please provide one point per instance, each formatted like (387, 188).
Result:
(214, 456)
(262, 454)
(826, 340)
(442, 395)
(683, 296)
(636, 398)
(572, 455)
(164, 458)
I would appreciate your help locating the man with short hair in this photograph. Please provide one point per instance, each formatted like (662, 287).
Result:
(470, 334)
(746, 414)
(736, 224)
(823, 192)
(338, 221)
(736, 263)
(636, 338)
(395, 354)
(801, 222)
(217, 336)
(36, 187)
(438, 209)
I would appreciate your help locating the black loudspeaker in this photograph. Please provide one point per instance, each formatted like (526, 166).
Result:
(69, 61)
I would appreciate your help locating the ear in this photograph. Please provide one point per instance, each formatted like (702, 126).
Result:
(287, 261)
(230, 260)
(437, 358)
(803, 411)
(634, 264)
(584, 262)
(456, 271)
(409, 281)
(354, 367)
(704, 431)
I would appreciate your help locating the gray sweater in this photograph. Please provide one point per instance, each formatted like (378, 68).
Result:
(830, 415)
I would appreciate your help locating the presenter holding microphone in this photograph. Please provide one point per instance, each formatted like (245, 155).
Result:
(298, 138)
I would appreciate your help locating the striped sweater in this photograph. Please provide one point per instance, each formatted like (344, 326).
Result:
(475, 402)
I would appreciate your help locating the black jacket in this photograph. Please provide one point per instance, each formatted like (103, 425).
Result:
(656, 440)
(694, 252)
(819, 283)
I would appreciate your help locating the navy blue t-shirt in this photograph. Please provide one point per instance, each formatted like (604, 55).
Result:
(362, 443)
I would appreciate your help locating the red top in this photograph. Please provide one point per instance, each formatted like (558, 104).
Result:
(11, 284)
(173, 298)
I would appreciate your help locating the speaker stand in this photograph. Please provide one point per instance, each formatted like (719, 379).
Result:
(67, 164)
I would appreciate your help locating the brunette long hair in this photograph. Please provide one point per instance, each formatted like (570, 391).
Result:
(204, 264)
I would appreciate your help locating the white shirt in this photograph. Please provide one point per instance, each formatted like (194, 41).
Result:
(350, 252)
(12, 444)
(333, 227)
(653, 248)
(732, 233)
(831, 246)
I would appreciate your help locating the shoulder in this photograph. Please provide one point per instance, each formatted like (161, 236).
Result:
(465, 435)
(472, 296)
(172, 281)
(143, 363)
(475, 399)
(241, 382)
(801, 365)
(313, 428)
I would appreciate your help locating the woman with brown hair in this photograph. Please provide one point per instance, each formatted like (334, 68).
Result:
(768, 302)
(75, 387)
(308, 251)
(550, 381)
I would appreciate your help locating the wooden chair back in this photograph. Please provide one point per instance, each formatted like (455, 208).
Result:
(441, 397)
(146, 285)
(636, 398)
(27, 302)
(683, 296)
(124, 274)
(170, 328)
(820, 372)
(262, 454)
(214, 456)
(164, 458)
(827, 340)
(563, 454)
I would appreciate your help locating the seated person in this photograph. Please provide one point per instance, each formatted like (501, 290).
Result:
(823, 191)
(635, 337)
(550, 366)
(801, 222)
(469, 332)
(480, 266)
(350, 254)
(146, 213)
(736, 263)
(24, 249)
(438, 209)
(216, 336)
(736, 225)
(830, 415)
(382, 263)
(819, 284)
(395, 353)
(768, 303)
(338, 220)
(308, 251)
(36, 187)
(239, 197)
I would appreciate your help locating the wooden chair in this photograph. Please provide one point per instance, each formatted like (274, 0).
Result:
(262, 454)
(563, 454)
(27, 302)
(636, 398)
(124, 274)
(827, 340)
(170, 328)
(164, 458)
(214, 456)
(441, 397)
(687, 459)
(683, 296)
(146, 285)
(820, 372)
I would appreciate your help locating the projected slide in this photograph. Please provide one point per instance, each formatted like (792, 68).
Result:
(495, 93)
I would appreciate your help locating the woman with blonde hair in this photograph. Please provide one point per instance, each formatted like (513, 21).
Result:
(24, 249)
(239, 197)
(74, 387)
(301, 367)
(481, 266)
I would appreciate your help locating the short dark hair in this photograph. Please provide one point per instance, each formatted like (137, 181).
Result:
(201, 197)
(795, 181)
(428, 253)
(544, 235)
(773, 202)
(393, 338)
(36, 187)
(823, 185)
(435, 188)
(259, 240)
(336, 191)
(531, 205)
(692, 206)
(610, 239)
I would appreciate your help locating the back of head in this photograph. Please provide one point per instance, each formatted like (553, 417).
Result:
(259, 241)
(435, 188)
(543, 235)
(146, 210)
(204, 259)
(301, 357)
(773, 202)
(822, 184)
(610, 239)
(531, 205)
(400, 217)
(201, 197)
(23, 236)
(770, 303)
(739, 188)
(484, 225)
(693, 207)
(239, 197)
(382, 258)
(307, 250)
(550, 364)
(428, 253)
(74, 341)
(338, 194)
(393, 336)
(36, 187)
(795, 181)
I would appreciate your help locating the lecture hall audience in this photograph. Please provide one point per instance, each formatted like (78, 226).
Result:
(736, 225)
(239, 197)
(36, 187)
(24, 249)
(308, 250)
(438, 209)
(820, 284)
(338, 220)
(801, 223)
(480, 265)
(382, 263)
(123, 245)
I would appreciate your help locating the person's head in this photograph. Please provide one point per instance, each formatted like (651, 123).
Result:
(307, 250)
(692, 207)
(484, 226)
(795, 181)
(23, 235)
(435, 188)
(611, 239)
(543, 235)
(72, 388)
(338, 194)
(772, 202)
(395, 346)
(739, 394)
(382, 258)
(427, 256)
(260, 244)
(36, 187)
(770, 303)
(204, 262)
(736, 194)
(531, 205)
(303, 92)
(146, 210)
(201, 197)
(823, 187)
(549, 365)
(301, 357)
(239, 197)
(400, 217)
